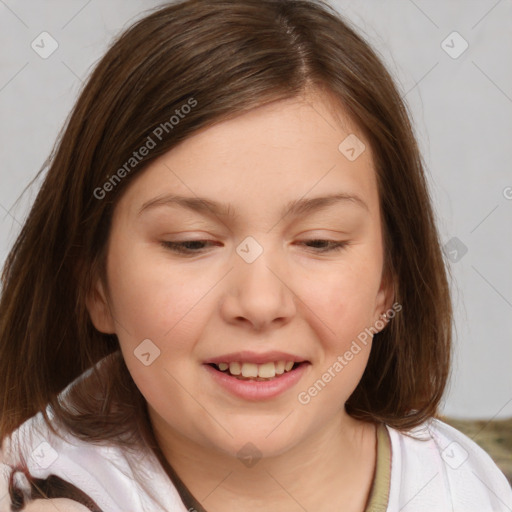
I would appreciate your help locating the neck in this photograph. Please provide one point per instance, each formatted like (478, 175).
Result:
(331, 469)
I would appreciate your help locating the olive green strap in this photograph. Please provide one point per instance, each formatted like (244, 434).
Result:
(379, 494)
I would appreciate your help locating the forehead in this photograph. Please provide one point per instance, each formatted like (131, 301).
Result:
(271, 156)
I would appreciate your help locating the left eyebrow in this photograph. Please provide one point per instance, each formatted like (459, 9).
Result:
(297, 207)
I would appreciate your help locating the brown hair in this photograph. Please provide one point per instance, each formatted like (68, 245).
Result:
(229, 56)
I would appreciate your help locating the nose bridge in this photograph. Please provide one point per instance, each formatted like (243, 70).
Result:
(258, 285)
(258, 261)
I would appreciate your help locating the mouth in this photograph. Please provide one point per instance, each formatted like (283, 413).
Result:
(256, 376)
(268, 371)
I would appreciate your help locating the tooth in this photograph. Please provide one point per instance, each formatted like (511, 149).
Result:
(267, 370)
(223, 366)
(288, 366)
(249, 370)
(280, 367)
(234, 368)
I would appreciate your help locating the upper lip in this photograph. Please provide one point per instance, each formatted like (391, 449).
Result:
(254, 357)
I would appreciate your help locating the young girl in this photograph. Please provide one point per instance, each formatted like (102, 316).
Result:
(229, 293)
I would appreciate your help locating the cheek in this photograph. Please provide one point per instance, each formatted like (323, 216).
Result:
(341, 310)
(344, 297)
(153, 300)
(342, 305)
(150, 297)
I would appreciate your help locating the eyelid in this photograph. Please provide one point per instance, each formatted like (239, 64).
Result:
(179, 246)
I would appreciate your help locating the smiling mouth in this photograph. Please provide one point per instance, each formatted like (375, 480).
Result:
(257, 372)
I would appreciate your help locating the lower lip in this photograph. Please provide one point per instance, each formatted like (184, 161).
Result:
(258, 390)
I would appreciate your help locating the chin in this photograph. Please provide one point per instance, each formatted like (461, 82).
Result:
(254, 437)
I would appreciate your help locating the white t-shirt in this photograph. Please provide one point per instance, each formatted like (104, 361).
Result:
(447, 472)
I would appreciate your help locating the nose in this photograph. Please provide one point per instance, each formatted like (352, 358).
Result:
(259, 294)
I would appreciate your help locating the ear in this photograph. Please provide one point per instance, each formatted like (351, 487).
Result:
(385, 296)
(99, 309)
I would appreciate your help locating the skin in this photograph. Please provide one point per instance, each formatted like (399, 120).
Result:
(60, 504)
(292, 298)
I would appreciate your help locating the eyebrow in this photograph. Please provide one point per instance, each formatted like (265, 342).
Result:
(297, 207)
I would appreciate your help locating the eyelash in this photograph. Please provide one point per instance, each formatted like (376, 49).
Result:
(180, 247)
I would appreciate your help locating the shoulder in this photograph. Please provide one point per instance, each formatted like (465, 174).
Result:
(36, 473)
(437, 468)
(114, 478)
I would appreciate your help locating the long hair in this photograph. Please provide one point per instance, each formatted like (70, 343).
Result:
(221, 58)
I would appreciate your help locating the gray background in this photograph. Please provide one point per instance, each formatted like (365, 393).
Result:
(461, 109)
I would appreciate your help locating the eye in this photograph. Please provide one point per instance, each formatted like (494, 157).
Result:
(190, 247)
(328, 245)
(187, 246)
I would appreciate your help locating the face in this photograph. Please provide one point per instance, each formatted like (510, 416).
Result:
(278, 277)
